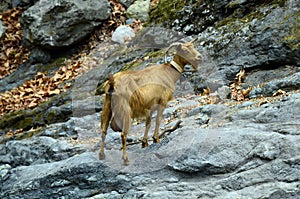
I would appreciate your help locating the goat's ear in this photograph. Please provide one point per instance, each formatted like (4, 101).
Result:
(178, 46)
(110, 77)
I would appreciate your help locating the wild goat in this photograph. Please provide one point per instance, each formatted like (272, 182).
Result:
(133, 94)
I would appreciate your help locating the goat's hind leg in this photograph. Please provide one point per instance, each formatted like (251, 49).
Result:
(105, 119)
(126, 127)
(101, 152)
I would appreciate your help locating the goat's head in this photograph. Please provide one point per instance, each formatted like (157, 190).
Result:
(188, 52)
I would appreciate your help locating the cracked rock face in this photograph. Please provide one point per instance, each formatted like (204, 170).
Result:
(248, 34)
(266, 36)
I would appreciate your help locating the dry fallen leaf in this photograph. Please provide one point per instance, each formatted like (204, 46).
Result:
(12, 54)
(263, 101)
(279, 92)
(55, 92)
(237, 92)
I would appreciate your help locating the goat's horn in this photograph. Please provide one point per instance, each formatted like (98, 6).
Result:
(171, 46)
(194, 40)
(176, 43)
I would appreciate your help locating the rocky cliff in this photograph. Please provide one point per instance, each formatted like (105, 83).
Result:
(239, 113)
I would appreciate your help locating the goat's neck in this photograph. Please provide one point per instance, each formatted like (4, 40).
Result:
(180, 62)
(175, 72)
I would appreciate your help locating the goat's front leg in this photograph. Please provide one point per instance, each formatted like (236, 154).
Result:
(105, 118)
(126, 127)
(101, 153)
(124, 157)
(159, 116)
(148, 124)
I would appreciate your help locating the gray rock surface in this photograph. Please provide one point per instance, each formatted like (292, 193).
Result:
(238, 150)
(36, 151)
(58, 24)
(76, 177)
(268, 89)
(39, 55)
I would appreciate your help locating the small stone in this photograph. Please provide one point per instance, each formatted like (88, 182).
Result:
(247, 103)
(139, 10)
(22, 3)
(129, 21)
(4, 169)
(123, 178)
(255, 93)
(123, 34)
(2, 30)
(223, 92)
(172, 180)
(126, 3)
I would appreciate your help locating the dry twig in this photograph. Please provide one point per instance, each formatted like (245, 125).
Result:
(162, 135)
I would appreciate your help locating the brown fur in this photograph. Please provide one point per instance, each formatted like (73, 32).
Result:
(134, 94)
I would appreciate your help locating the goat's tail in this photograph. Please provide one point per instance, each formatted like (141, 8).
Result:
(109, 85)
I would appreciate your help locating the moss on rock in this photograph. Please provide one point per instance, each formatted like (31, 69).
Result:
(22, 119)
(25, 123)
(166, 11)
(54, 65)
(293, 38)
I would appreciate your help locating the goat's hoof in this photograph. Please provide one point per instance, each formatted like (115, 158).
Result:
(145, 144)
(126, 161)
(101, 156)
(156, 140)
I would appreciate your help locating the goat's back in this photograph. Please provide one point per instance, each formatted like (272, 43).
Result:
(142, 90)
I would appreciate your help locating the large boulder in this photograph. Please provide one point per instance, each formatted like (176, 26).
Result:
(76, 177)
(57, 24)
(37, 150)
